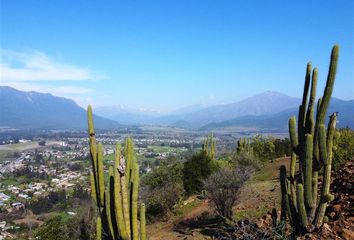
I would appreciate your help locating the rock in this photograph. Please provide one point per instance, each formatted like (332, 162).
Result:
(308, 235)
(260, 223)
(327, 227)
(348, 164)
(337, 208)
(267, 217)
(331, 215)
(326, 230)
(347, 234)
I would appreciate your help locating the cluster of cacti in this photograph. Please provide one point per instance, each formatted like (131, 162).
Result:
(117, 205)
(209, 146)
(301, 201)
(244, 146)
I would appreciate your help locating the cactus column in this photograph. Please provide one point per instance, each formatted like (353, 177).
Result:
(312, 145)
(209, 146)
(117, 205)
(244, 146)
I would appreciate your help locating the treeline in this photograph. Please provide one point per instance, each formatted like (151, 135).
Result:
(269, 148)
(29, 173)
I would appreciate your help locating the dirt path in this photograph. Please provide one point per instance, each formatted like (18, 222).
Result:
(257, 197)
(165, 230)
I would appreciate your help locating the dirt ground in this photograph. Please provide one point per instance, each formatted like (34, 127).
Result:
(259, 196)
(29, 219)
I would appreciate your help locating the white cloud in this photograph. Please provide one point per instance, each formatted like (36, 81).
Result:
(37, 66)
(36, 71)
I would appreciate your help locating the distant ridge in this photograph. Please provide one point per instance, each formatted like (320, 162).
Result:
(266, 103)
(33, 110)
(126, 115)
(279, 121)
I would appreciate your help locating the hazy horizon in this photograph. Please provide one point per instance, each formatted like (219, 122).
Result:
(170, 111)
(163, 56)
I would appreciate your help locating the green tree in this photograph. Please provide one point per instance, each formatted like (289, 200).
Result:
(195, 170)
(263, 148)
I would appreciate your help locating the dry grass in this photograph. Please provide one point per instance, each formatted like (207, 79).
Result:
(259, 196)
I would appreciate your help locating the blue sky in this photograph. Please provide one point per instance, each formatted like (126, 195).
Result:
(167, 54)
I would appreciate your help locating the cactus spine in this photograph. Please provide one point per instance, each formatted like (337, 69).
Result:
(117, 205)
(312, 145)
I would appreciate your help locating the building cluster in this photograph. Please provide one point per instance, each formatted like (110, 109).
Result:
(33, 173)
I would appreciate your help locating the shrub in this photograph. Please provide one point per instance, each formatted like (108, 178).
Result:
(54, 228)
(245, 159)
(222, 188)
(160, 201)
(64, 227)
(343, 147)
(162, 189)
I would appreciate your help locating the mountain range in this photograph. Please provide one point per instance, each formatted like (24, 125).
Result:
(33, 110)
(265, 111)
(126, 115)
(266, 103)
(279, 121)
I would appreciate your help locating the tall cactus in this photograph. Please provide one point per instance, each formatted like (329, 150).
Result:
(117, 205)
(209, 146)
(244, 146)
(312, 145)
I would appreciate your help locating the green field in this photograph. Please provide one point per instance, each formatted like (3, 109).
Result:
(24, 146)
(19, 146)
(166, 149)
(6, 155)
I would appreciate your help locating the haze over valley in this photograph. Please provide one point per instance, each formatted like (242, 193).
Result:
(267, 111)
